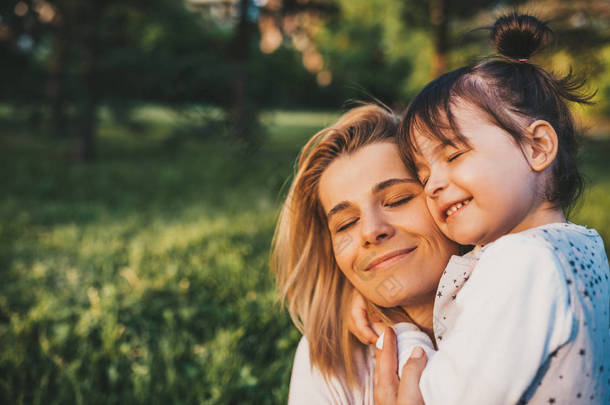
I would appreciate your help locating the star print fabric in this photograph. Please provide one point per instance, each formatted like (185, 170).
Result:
(525, 320)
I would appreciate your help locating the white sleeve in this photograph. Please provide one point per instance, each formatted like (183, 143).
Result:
(408, 336)
(307, 385)
(514, 312)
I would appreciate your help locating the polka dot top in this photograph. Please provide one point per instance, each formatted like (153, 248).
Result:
(525, 320)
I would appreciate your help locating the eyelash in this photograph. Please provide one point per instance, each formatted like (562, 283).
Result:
(455, 156)
(390, 205)
(399, 202)
(344, 227)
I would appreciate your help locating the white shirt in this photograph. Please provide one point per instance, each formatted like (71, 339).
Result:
(525, 320)
(308, 386)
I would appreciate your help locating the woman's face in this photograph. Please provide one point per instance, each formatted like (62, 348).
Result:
(384, 238)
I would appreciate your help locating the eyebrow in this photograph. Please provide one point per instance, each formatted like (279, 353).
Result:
(339, 207)
(378, 187)
(390, 182)
(440, 147)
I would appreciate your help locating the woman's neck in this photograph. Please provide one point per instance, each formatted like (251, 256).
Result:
(423, 314)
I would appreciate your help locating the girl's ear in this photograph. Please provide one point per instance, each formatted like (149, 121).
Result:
(541, 148)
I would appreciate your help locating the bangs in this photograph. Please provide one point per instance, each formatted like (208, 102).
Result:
(429, 114)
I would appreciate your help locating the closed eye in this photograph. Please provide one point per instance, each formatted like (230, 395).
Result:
(399, 202)
(455, 156)
(346, 226)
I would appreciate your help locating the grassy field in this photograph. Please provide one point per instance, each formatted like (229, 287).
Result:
(143, 277)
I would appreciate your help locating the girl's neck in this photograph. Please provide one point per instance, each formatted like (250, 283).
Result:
(546, 213)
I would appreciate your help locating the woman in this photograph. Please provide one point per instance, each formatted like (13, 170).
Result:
(354, 219)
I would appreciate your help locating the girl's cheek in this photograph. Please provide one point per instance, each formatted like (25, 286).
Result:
(434, 212)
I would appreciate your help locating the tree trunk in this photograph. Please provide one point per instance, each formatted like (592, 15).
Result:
(57, 80)
(440, 32)
(242, 113)
(87, 116)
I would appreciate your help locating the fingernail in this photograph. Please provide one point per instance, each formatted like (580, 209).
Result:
(418, 352)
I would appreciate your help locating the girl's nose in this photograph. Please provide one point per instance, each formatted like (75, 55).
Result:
(375, 229)
(436, 183)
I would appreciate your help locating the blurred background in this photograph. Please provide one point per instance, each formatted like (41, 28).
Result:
(144, 151)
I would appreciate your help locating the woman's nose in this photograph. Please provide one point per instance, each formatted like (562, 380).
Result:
(375, 229)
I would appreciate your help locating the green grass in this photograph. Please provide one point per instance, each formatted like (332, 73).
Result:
(143, 277)
(592, 210)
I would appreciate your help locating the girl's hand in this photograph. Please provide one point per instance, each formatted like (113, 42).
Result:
(389, 390)
(358, 321)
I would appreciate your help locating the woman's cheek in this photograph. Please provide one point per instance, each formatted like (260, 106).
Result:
(344, 251)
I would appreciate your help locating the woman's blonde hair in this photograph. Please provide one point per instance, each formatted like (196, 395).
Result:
(309, 282)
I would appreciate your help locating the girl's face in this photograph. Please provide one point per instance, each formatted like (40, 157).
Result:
(384, 239)
(479, 192)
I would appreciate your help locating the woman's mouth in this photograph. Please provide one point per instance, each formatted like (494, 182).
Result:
(389, 259)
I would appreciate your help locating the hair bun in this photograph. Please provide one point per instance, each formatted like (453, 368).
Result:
(520, 36)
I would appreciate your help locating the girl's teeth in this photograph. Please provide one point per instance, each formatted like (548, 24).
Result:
(456, 207)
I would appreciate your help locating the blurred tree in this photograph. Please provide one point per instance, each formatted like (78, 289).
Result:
(243, 112)
(81, 54)
(375, 45)
(438, 18)
(243, 55)
(268, 14)
(22, 77)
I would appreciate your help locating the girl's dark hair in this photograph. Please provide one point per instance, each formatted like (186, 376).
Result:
(513, 93)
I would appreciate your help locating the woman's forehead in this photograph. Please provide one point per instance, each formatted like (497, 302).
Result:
(354, 175)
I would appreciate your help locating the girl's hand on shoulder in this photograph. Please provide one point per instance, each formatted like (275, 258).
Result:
(358, 321)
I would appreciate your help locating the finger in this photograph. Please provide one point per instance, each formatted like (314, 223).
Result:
(361, 320)
(366, 334)
(354, 326)
(385, 377)
(374, 317)
(378, 327)
(408, 390)
(376, 371)
(388, 358)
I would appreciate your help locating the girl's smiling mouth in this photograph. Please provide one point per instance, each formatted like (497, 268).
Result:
(388, 259)
(449, 211)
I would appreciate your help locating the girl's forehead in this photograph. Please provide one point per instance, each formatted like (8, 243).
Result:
(431, 144)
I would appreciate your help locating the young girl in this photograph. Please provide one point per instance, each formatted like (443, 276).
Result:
(524, 318)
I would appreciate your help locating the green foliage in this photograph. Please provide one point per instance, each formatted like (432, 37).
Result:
(592, 210)
(368, 48)
(142, 279)
(601, 82)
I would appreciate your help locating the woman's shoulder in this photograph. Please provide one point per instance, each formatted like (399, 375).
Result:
(306, 382)
(309, 386)
(302, 360)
